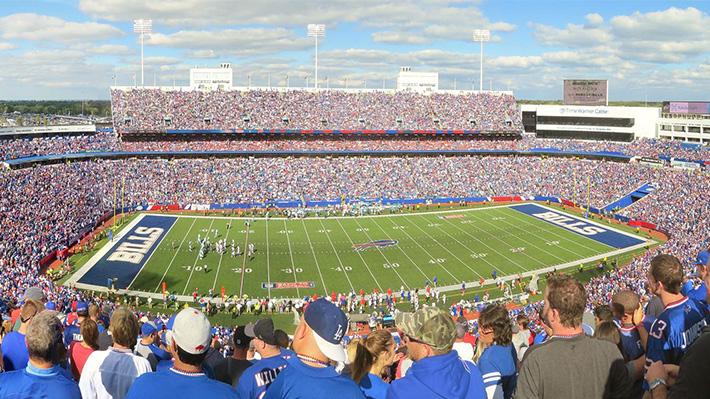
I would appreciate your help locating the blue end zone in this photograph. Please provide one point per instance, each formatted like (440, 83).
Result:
(581, 226)
(130, 253)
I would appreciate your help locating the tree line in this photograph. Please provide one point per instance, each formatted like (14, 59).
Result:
(96, 108)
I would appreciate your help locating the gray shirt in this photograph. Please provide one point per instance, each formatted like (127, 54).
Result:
(581, 367)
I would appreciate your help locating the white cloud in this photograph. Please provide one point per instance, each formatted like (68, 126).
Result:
(669, 36)
(395, 37)
(206, 54)
(104, 49)
(240, 42)
(154, 61)
(7, 46)
(36, 27)
(573, 36)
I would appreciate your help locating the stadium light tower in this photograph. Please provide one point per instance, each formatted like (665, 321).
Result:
(481, 35)
(316, 30)
(143, 27)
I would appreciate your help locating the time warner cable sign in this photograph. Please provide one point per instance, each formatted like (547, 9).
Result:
(585, 92)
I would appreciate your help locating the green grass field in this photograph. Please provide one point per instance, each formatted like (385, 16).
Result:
(321, 251)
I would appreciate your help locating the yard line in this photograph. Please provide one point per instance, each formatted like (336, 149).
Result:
(342, 266)
(268, 265)
(176, 253)
(387, 259)
(192, 270)
(314, 257)
(290, 253)
(449, 251)
(525, 241)
(363, 259)
(221, 256)
(420, 246)
(451, 223)
(553, 230)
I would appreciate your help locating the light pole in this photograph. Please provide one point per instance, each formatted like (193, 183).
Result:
(114, 79)
(346, 83)
(288, 82)
(327, 83)
(481, 35)
(305, 77)
(249, 80)
(316, 30)
(143, 27)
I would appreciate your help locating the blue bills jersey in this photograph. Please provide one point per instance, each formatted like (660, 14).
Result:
(674, 330)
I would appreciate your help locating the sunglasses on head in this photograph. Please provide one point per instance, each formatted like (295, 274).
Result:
(408, 338)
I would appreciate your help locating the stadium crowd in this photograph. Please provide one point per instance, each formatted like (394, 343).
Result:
(151, 110)
(642, 147)
(32, 147)
(67, 344)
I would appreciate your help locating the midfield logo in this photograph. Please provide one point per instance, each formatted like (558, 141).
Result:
(373, 244)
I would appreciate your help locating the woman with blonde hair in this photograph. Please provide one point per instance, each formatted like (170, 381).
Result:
(373, 355)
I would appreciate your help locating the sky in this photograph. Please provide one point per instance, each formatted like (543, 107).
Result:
(648, 50)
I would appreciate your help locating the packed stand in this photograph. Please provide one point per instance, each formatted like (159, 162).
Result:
(640, 147)
(32, 147)
(154, 110)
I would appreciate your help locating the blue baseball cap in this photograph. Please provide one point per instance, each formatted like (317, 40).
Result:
(702, 258)
(148, 328)
(82, 307)
(329, 325)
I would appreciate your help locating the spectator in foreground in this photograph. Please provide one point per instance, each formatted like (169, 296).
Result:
(571, 364)
(437, 370)
(523, 338)
(230, 369)
(374, 353)
(498, 362)
(680, 323)
(15, 354)
(148, 348)
(191, 336)
(110, 373)
(627, 309)
(688, 381)
(41, 378)
(316, 342)
(256, 379)
(79, 352)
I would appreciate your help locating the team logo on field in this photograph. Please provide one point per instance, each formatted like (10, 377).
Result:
(373, 244)
(451, 217)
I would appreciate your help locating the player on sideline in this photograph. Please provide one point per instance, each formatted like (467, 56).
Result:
(682, 320)
(463, 288)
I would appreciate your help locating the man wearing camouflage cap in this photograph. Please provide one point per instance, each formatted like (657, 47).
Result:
(437, 371)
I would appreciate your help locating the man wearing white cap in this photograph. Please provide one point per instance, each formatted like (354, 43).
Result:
(191, 337)
(316, 342)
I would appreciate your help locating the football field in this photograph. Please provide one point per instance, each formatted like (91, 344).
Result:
(298, 257)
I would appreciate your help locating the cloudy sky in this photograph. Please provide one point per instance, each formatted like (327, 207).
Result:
(647, 49)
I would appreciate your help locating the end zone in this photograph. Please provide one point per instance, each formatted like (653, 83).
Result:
(126, 255)
(584, 227)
